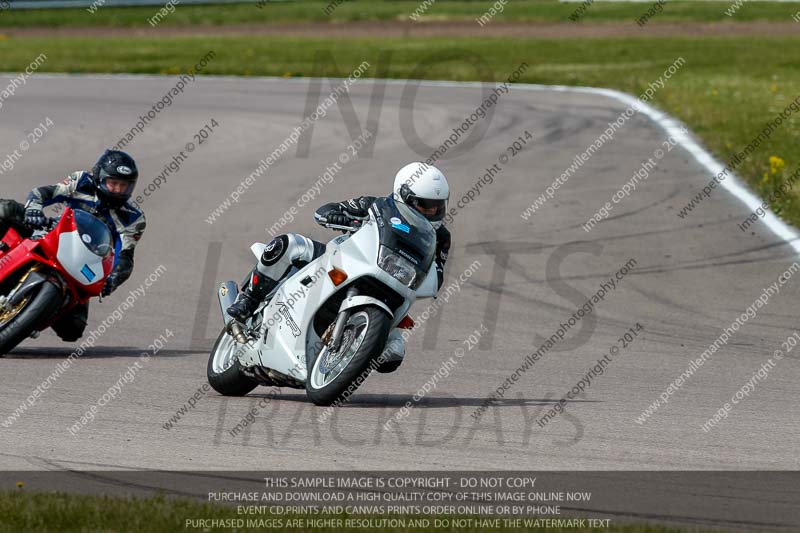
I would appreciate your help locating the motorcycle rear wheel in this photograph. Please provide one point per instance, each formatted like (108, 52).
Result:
(18, 323)
(224, 372)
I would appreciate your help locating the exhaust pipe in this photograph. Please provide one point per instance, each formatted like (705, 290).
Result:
(227, 294)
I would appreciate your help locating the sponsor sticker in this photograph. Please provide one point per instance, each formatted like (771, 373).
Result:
(88, 272)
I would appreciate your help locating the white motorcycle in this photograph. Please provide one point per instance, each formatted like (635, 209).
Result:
(325, 326)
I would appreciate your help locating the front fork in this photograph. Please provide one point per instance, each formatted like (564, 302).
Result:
(341, 320)
(28, 281)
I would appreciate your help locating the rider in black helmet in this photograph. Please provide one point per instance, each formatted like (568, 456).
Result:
(114, 177)
(105, 192)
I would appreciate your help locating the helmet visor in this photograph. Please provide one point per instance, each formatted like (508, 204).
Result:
(433, 210)
(117, 188)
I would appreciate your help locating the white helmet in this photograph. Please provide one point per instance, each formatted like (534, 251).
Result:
(424, 188)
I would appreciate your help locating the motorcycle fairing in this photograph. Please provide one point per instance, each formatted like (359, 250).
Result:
(82, 265)
(285, 351)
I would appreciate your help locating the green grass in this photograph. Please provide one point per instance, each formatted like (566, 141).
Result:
(39, 513)
(361, 10)
(726, 91)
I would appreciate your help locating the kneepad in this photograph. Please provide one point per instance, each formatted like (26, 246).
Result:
(283, 252)
(12, 212)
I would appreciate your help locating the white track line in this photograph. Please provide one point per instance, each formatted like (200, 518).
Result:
(669, 124)
(732, 183)
(673, 128)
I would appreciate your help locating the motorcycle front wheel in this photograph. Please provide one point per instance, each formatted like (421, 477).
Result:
(334, 376)
(20, 320)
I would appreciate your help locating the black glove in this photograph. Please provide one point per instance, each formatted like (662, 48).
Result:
(339, 219)
(34, 216)
(111, 284)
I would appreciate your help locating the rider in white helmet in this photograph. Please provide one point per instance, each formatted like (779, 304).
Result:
(424, 188)
(421, 186)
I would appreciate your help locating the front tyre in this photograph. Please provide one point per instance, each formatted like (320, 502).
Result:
(334, 376)
(19, 321)
(225, 374)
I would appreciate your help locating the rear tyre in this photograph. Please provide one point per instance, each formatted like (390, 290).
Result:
(334, 376)
(36, 307)
(225, 374)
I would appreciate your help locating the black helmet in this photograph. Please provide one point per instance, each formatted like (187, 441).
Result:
(119, 167)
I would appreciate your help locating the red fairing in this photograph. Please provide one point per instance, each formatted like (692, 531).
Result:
(50, 241)
(95, 288)
(24, 254)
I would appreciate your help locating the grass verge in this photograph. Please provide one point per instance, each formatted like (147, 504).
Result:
(40, 513)
(371, 10)
(726, 91)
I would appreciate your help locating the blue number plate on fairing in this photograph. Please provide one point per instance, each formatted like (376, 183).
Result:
(88, 272)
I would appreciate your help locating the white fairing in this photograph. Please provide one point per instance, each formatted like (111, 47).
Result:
(79, 262)
(429, 286)
(258, 249)
(287, 319)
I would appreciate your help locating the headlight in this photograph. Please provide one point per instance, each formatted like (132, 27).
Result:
(398, 267)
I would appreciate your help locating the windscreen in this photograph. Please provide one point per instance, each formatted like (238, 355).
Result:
(94, 233)
(406, 232)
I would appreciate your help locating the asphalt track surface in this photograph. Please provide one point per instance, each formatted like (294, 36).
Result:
(692, 278)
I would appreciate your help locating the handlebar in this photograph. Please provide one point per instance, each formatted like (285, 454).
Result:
(342, 228)
(48, 225)
(357, 223)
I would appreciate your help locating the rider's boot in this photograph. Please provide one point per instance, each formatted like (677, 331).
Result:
(394, 352)
(248, 300)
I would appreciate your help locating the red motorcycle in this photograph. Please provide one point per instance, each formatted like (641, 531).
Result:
(43, 277)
